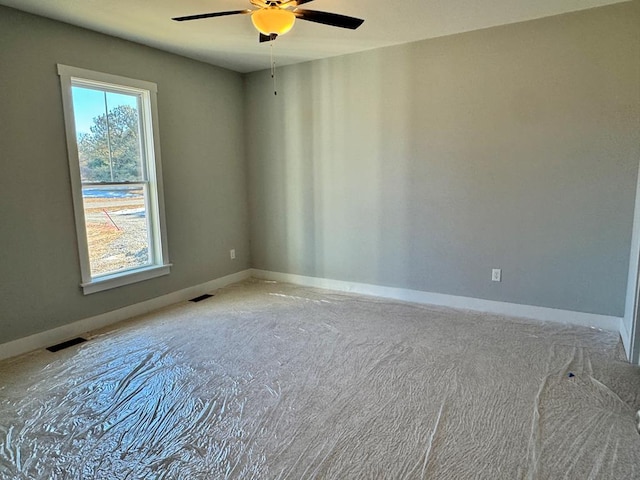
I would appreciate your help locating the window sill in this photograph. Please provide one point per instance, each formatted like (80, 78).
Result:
(120, 279)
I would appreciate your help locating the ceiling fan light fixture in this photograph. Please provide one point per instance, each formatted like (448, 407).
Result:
(273, 20)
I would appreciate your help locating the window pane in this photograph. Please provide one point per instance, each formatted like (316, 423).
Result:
(93, 147)
(108, 135)
(117, 228)
(124, 137)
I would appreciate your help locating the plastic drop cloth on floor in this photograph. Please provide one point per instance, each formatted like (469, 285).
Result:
(274, 381)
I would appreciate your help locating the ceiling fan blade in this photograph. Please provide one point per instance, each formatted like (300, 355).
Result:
(327, 18)
(211, 15)
(267, 38)
(293, 3)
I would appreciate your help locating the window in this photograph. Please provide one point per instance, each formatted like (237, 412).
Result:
(114, 161)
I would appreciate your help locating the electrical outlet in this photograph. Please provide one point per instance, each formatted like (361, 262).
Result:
(232, 253)
(496, 275)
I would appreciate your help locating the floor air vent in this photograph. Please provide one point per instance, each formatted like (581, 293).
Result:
(200, 298)
(67, 344)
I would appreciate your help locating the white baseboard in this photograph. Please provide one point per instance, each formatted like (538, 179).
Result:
(65, 332)
(603, 322)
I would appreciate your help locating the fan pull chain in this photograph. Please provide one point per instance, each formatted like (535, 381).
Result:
(273, 71)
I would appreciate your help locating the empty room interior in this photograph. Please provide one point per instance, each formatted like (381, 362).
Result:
(320, 239)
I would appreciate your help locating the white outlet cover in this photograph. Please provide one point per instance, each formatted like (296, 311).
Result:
(496, 275)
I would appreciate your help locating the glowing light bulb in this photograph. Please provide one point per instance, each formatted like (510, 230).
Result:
(273, 20)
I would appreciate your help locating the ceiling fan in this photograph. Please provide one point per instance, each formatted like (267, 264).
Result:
(276, 17)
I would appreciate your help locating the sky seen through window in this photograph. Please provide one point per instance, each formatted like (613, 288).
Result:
(89, 104)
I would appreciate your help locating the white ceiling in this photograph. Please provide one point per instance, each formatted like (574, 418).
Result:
(232, 42)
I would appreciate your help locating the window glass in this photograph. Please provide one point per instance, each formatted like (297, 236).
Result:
(117, 228)
(108, 135)
(110, 152)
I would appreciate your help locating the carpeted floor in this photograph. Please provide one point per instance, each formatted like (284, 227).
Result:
(274, 381)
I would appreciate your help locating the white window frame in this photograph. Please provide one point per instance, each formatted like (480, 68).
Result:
(149, 114)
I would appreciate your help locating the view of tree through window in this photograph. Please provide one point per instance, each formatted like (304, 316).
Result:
(114, 183)
(111, 151)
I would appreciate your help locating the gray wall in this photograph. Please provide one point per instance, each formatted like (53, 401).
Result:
(201, 129)
(423, 166)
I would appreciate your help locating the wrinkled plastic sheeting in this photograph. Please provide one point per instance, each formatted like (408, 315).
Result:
(269, 380)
